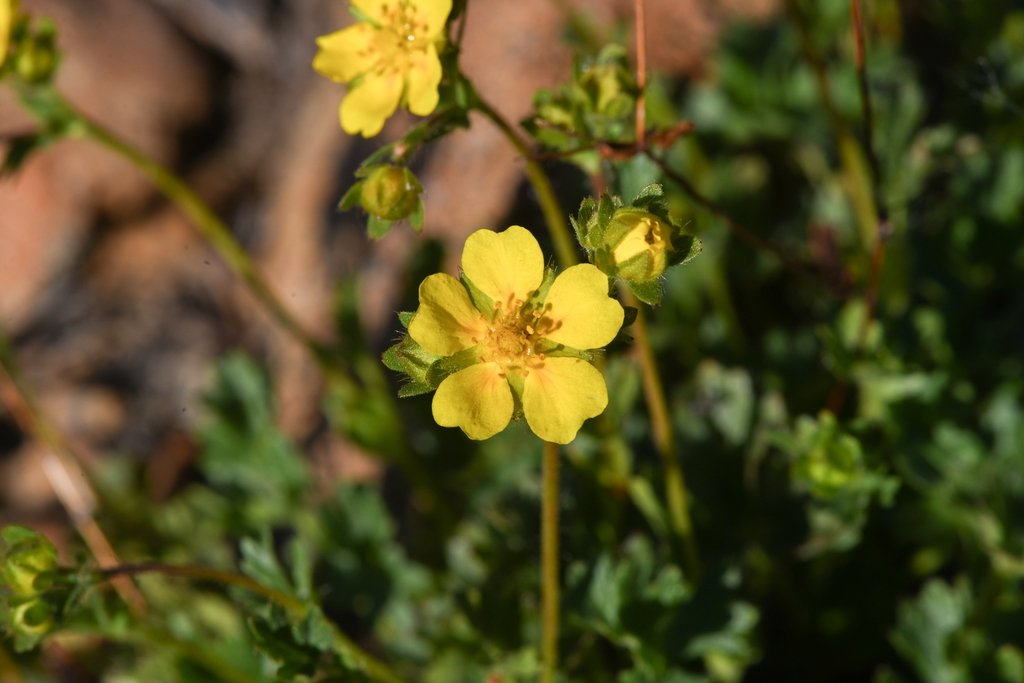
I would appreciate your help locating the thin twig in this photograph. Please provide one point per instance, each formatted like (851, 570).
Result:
(837, 397)
(62, 469)
(676, 492)
(851, 159)
(749, 236)
(640, 28)
(554, 216)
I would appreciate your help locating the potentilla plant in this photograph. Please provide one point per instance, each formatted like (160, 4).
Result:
(529, 358)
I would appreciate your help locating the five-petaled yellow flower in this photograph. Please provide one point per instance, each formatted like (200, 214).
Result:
(387, 58)
(528, 346)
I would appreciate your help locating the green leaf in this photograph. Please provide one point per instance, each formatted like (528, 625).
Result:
(926, 627)
(243, 453)
(259, 562)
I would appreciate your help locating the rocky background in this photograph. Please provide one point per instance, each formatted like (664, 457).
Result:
(117, 307)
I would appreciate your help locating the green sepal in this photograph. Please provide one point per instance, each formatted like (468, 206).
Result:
(684, 249)
(606, 207)
(350, 199)
(651, 198)
(562, 351)
(378, 227)
(481, 301)
(545, 285)
(442, 368)
(416, 217)
(405, 317)
(410, 359)
(414, 389)
(636, 269)
(648, 291)
(581, 222)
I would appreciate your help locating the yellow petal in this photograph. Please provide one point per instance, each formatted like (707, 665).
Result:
(423, 78)
(369, 104)
(7, 9)
(446, 321)
(477, 400)
(506, 265)
(559, 396)
(344, 54)
(434, 13)
(584, 315)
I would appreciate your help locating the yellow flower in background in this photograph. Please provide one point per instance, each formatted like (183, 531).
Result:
(525, 345)
(388, 57)
(8, 8)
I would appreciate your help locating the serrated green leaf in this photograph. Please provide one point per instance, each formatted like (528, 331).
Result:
(684, 249)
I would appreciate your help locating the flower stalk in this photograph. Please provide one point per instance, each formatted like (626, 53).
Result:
(551, 208)
(549, 563)
(664, 440)
(210, 227)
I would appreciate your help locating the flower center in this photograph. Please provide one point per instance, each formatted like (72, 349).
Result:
(402, 31)
(513, 339)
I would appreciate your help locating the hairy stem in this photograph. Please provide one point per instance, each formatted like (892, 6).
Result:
(664, 440)
(549, 563)
(210, 227)
(554, 216)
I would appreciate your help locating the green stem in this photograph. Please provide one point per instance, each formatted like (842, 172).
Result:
(554, 216)
(206, 222)
(856, 174)
(549, 563)
(664, 440)
(348, 651)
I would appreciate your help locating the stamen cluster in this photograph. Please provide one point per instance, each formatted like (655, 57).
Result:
(514, 338)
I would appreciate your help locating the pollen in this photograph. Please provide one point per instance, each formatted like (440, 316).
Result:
(515, 336)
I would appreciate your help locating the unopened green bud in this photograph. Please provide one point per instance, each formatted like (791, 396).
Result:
(390, 192)
(32, 618)
(28, 561)
(642, 245)
(608, 87)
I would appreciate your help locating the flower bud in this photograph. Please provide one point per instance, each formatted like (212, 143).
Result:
(33, 618)
(642, 243)
(29, 558)
(390, 192)
(610, 88)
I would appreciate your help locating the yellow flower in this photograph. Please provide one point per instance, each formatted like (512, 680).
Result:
(526, 346)
(387, 58)
(8, 8)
